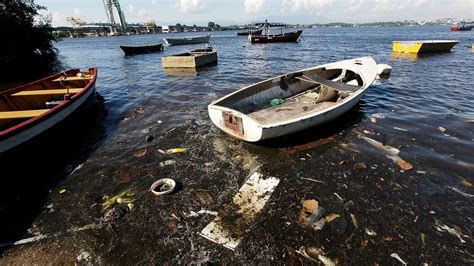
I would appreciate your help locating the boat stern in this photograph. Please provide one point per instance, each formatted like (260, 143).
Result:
(235, 124)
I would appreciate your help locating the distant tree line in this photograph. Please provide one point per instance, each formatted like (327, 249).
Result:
(26, 49)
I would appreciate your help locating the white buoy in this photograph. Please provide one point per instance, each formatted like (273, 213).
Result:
(383, 71)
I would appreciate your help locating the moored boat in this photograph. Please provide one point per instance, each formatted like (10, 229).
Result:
(426, 46)
(295, 101)
(187, 40)
(29, 110)
(272, 38)
(461, 28)
(192, 59)
(143, 49)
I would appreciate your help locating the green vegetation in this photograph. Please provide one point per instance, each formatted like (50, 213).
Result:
(27, 51)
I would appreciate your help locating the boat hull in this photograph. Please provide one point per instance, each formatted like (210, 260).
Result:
(245, 127)
(419, 47)
(40, 125)
(286, 37)
(461, 28)
(193, 59)
(133, 50)
(191, 40)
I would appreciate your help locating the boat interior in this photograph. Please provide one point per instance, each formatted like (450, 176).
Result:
(23, 103)
(292, 95)
(197, 52)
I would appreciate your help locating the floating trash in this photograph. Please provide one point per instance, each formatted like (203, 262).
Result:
(141, 153)
(124, 197)
(163, 186)
(395, 255)
(250, 200)
(167, 162)
(316, 255)
(176, 150)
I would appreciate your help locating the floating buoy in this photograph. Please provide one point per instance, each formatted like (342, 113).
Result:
(163, 186)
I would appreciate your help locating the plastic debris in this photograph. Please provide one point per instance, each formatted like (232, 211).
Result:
(167, 162)
(339, 197)
(77, 168)
(395, 256)
(453, 231)
(124, 197)
(204, 197)
(400, 129)
(141, 153)
(360, 166)
(457, 190)
(329, 218)
(276, 102)
(202, 211)
(307, 146)
(354, 221)
(442, 129)
(404, 165)
(62, 191)
(386, 148)
(423, 239)
(313, 180)
(370, 232)
(316, 255)
(176, 150)
(465, 182)
(388, 238)
(163, 186)
(249, 200)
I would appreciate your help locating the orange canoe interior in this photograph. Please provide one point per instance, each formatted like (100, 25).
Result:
(37, 98)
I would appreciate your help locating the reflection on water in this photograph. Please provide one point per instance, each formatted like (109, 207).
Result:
(183, 72)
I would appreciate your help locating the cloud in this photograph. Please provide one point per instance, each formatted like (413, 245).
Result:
(396, 5)
(131, 8)
(56, 18)
(189, 6)
(253, 6)
(153, 2)
(354, 5)
(77, 12)
(310, 6)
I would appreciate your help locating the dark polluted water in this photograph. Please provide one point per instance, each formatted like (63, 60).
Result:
(58, 188)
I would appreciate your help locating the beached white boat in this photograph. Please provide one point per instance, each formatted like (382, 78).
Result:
(295, 101)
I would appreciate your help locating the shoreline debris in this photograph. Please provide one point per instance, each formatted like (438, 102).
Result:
(163, 186)
(249, 200)
(397, 257)
(316, 255)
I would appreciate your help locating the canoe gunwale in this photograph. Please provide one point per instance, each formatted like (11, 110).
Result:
(29, 123)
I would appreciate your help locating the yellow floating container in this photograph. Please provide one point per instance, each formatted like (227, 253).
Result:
(418, 47)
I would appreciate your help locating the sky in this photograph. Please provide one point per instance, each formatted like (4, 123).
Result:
(227, 12)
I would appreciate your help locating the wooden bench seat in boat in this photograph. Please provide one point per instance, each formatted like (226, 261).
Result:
(47, 92)
(71, 79)
(22, 114)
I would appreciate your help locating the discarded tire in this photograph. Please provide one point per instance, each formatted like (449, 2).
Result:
(163, 186)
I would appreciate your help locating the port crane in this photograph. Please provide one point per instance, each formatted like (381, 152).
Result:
(109, 6)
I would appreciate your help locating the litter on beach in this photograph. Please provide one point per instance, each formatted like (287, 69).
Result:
(249, 200)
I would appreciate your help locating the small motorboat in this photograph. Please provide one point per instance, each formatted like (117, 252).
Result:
(295, 101)
(187, 40)
(427, 46)
(461, 27)
(250, 31)
(143, 49)
(192, 59)
(272, 38)
(31, 109)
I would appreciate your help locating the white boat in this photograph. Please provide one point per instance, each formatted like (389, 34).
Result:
(295, 101)
(187, 40)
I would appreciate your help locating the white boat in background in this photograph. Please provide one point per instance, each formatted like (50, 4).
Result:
(187, 40)
(295, 101)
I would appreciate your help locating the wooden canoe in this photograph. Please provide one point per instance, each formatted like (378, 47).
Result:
(31, 109)
(272, 38)
(192, 59)
(143, 49)
(187, 40)
(304, 99)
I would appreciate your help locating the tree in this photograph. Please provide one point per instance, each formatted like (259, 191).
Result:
(211, 24)
(26, 49)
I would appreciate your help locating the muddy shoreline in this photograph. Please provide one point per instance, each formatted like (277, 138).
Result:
(402, 208)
